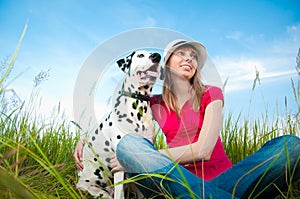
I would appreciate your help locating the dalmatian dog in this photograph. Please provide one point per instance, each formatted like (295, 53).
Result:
(131, 113)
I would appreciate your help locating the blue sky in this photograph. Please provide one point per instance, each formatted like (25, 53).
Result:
(240, 37)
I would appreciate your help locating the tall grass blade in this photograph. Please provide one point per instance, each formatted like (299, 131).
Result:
(12, 61)
(13, 185)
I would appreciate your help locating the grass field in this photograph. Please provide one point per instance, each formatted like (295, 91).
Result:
(36, 154)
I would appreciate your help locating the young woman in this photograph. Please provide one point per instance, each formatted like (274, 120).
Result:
(196, 165)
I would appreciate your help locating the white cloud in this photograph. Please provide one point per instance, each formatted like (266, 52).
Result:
(240, 71)
(235, 35)
(274, 60)
(294, 32)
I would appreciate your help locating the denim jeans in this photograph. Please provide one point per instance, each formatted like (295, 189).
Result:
(258, 175)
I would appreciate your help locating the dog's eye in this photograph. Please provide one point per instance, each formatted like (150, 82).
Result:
(140, 55)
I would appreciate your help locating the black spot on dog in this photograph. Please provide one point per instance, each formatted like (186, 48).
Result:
(141, 110)
(87, 180)
(97, 172)
(118, 137)
(101, 126)
(106, 143)
(96, 132)
(93, 138)
(134, 105)
(110, 124)
(107, 160)
(98, 182)
(100, 177)
(139, 116)
(145, 109)
(131, 114)
(106, 149)
(95, 159)
(122, 116)
(129, 120)
(146, 86)
(118, 102)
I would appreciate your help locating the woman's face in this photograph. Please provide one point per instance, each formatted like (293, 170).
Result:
(184, 61)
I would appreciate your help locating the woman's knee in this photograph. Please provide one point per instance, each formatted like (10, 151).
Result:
(128, 143)
(284, 140)
(290, 141)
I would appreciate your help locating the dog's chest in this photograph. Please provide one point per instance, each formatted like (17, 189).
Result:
(132, 116)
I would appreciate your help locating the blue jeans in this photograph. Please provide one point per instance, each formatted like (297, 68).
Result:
(158, 176)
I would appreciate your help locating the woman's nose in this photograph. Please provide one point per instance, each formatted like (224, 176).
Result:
(187, 58)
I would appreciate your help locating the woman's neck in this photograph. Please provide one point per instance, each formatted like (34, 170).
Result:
(182, 89)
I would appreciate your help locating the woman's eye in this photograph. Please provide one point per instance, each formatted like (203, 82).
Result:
(194, 56)
(181, 53)
(140, 55)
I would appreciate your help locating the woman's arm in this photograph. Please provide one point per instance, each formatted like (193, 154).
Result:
(78, 154)
(208, 137)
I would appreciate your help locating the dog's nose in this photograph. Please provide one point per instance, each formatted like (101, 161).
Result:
(155, 57)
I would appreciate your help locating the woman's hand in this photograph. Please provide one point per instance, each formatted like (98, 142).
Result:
(78, 154)
(115, 165)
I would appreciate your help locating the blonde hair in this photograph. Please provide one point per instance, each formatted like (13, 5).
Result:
(168, 96)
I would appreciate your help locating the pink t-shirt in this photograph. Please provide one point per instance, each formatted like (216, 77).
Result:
(185, 129)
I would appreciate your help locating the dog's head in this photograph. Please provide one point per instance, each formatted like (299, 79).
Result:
(142, 65)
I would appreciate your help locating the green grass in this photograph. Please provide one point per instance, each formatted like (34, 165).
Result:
(36, 154)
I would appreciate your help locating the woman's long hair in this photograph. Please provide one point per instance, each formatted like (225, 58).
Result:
(171, 101)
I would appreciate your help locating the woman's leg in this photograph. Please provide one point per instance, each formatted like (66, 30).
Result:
(264, 172)
(160, 175)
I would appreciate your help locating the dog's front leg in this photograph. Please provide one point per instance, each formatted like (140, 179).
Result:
(119, 190)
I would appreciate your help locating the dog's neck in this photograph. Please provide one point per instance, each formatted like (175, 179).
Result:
(140, 92)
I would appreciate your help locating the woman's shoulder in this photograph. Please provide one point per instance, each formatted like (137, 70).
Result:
(210, 88)
(212, 93)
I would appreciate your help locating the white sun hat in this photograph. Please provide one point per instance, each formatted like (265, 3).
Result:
(173, 45)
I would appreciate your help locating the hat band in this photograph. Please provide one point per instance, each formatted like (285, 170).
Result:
(179, 43)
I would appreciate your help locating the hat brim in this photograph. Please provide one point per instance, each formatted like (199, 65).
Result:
(201, 50)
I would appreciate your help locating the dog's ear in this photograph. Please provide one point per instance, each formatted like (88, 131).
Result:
(125, 63)
(121, 64)
(162, 76)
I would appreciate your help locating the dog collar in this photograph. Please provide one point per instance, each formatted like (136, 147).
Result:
(135, 95)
